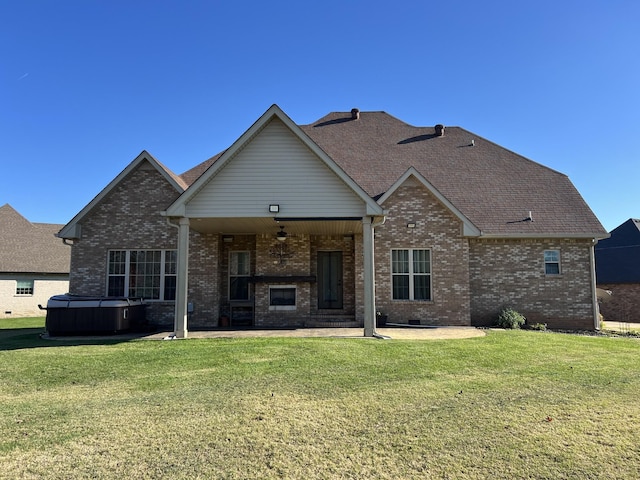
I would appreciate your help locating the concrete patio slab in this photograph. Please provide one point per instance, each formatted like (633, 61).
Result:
(401, 333)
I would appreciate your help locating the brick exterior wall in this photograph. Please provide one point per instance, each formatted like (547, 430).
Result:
(472, 279)
(303, 262)
(511, 273)
(127, 218)
(438, 230)
(204, 281)
(298, 264)
(624, 304)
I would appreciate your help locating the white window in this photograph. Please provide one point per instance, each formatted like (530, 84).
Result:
(239, 274)
(552, 262)
(411, 274)
(148, 274)
(24, 287)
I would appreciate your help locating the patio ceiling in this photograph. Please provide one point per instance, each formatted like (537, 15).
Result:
(270, 225)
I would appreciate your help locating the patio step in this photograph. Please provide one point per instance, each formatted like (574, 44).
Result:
(330, 321)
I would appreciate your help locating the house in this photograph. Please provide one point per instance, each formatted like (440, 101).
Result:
(618, 271)
(34, 264)
(332, 222)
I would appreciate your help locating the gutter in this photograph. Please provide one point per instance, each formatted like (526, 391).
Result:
(582, 236)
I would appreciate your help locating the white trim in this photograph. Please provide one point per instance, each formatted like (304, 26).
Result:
(468, 228)
(127, 271)
(545, 262)
(412, 274)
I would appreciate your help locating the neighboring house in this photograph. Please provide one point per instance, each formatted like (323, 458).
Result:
(332, 222)
(34, 264)
(618, 270)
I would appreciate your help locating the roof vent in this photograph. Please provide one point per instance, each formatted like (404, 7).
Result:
(439, 130)
(355, 113)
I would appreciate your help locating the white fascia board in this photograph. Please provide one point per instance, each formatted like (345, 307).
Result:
(468, 228)
(179, 206)
(72, 229)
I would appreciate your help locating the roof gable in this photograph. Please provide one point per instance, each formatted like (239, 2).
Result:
(72, 229)
(27, 247)
(468, 229)
(274, 113)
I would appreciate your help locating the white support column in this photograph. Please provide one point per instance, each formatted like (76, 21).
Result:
(369, 277)
(180, 321)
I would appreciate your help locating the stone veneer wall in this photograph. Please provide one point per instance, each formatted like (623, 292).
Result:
(624, 305)
(511, 273)
(438, 230)
(127, 218)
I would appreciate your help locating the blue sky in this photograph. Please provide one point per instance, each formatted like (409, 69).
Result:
(86, 85)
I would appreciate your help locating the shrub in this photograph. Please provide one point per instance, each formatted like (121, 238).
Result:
(538, 326)
(509, 318)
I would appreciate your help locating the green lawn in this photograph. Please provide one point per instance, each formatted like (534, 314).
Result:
(513, 404)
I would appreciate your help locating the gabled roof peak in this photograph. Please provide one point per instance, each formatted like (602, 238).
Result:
(71, 229)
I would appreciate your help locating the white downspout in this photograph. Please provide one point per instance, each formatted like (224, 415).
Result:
(594, 295)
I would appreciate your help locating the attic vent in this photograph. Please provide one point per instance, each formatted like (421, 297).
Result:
(355, 113)
(439, 130)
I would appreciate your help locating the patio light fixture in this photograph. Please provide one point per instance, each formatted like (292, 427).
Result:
(281, 235)
(280, 251)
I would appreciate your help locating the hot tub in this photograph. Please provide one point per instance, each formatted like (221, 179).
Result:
(82, 315)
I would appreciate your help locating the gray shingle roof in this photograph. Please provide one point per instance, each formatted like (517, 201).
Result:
(492, 186)
(27, 247)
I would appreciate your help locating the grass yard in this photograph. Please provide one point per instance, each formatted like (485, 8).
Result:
(513, 404)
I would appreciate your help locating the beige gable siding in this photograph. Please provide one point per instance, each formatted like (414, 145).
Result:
(275, 168)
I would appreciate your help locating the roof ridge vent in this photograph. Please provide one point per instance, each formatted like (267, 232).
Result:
(355, 114)
(439, 130)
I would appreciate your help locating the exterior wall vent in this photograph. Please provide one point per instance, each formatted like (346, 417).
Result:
(355, 114)
(439, 130)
